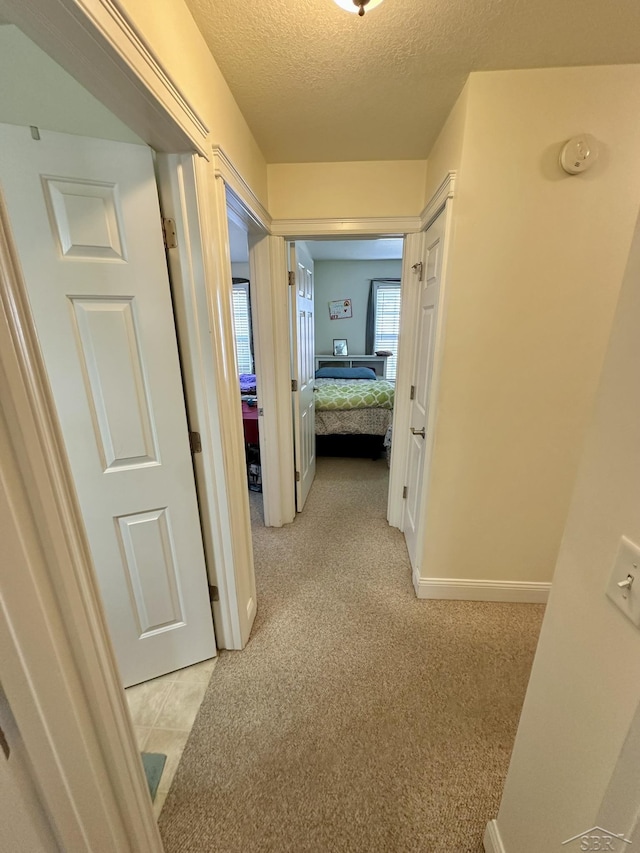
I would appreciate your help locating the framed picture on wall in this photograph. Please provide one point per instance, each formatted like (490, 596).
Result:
(340, 309)
(340, 346)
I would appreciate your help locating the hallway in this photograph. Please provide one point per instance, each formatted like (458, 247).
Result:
(358, 718)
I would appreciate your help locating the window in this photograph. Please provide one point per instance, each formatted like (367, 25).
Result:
(242, 326)
(387, 321)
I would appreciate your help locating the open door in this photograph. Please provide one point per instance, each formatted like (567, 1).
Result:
(303, 369)
(429, 272)
(85, 218)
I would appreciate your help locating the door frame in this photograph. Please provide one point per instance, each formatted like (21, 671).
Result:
(442, 202)
(376, 227)
(202, 327)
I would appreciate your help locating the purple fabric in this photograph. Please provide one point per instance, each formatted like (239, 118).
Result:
(247, 383)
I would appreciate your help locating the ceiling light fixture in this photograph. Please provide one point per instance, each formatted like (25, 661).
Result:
(357, 5)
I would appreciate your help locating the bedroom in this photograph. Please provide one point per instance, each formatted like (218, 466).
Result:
(352, 417)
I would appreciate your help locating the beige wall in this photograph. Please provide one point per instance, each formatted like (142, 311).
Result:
(446, 154)
(310, 190)
(585, 684)
(37, 91)
(349, 190)
(340, 279)
(172, 33)
(537, 261)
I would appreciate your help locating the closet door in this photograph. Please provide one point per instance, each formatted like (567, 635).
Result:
(85, 217)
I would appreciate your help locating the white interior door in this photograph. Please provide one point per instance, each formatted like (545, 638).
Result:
(303, 370)
(421, 382)
(86, 221)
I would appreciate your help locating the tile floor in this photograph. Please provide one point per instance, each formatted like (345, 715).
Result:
(163, 711)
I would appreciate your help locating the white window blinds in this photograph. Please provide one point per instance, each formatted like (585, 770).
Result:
(242, 327)
(387, 322)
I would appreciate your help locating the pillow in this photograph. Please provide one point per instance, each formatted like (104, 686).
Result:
(345, 373)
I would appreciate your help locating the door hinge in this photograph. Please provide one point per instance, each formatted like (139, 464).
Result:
(292, 278)
(297, 476)
(195, 443)
(294, 384)
(405, 492)
(214, 595)
(418, 268)
(412, 393)
(169, 234)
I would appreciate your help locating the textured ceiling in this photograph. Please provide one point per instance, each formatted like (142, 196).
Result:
(316, 83)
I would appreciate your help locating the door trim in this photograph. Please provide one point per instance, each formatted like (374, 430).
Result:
(445, 191)
(270, 310)
(179, 178)
(240, 197)
(85, 760)
(413, 253)
(349, 228)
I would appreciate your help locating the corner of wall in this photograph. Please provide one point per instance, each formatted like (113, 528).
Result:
(446, 152)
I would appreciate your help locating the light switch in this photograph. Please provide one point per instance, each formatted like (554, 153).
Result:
(624, 584)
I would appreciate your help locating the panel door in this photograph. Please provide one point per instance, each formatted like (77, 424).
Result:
(421, 382)
(86, 221)
(303, 358)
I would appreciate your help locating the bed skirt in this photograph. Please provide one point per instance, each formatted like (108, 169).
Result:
(354, 422)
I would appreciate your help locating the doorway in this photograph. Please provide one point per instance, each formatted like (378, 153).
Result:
(353, 342)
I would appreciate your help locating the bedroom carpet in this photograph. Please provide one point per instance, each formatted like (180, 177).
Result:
(358, 719)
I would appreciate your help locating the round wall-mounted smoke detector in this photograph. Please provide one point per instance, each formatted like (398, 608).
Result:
(579, 154)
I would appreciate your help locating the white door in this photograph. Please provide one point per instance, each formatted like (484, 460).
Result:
(86, 221)
(303, 370)
(421, 382)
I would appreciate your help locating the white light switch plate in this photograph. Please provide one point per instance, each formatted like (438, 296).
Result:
(627, 564)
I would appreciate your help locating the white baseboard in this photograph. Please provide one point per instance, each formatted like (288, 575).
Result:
(492, 841)
(461, 589)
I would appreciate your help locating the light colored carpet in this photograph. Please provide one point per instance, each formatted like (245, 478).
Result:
(358, 718)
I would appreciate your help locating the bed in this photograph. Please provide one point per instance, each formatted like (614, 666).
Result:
(353, 413)
(247, 383)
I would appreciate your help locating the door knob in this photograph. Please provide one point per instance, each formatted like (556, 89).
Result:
(421, 432)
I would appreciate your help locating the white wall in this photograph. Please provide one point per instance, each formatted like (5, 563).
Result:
(536, 265)
(339, 280)
(35, 90)
(585, 683)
